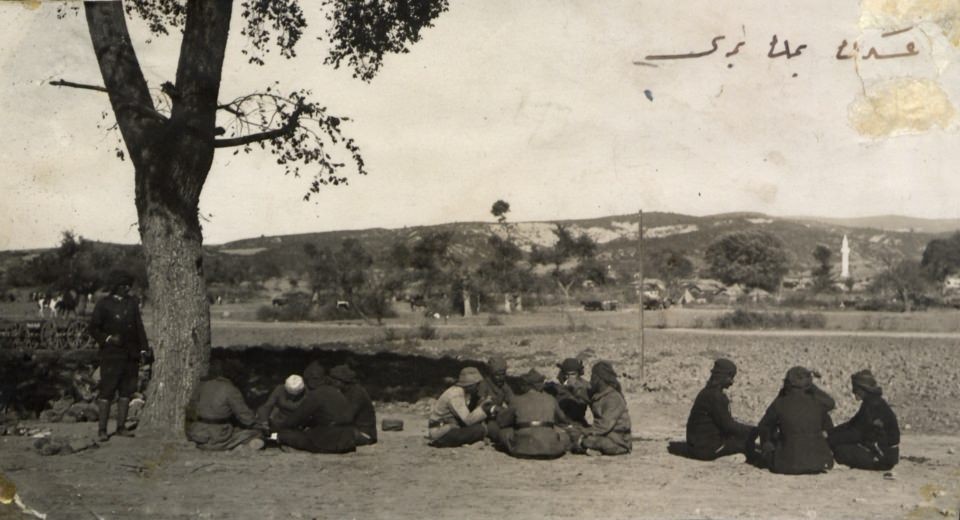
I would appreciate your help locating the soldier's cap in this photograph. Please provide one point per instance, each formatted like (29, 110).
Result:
(294, 384)
(469, 376)
(533, 378)
(864, 380)
(343, 373)
(799, 377)
(571, 366)
(497, 364)
(724, 366)
(120, 277)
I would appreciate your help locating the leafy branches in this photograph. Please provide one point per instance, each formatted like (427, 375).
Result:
(297, 131)
(362, 31)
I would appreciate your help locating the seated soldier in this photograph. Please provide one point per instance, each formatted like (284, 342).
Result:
(871, 439)
(283, 399)
(362, 413)
(220, 419)
(610, 432)
(530, 425)
(793, 431)
(322, 423)
(571, 391)
(451, 422)
(495, 390)
(712, 432)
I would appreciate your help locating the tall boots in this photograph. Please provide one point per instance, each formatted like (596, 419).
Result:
(103, 406)
(123, 406)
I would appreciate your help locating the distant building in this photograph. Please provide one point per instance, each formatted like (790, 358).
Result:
(951, 283)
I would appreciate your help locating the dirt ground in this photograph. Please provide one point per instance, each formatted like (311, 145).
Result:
(402, 477)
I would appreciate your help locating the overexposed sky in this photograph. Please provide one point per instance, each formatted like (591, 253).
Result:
(536, 102)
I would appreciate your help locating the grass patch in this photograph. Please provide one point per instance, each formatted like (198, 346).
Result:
(743, 319)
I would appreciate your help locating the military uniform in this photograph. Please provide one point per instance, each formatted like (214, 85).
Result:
(610, 432)
(321, 424)
(278, 406)
(529, 427)
(117, 327)
(222, 419)
(793, 429)
(452, 423)
(363, 413)
(573, 397)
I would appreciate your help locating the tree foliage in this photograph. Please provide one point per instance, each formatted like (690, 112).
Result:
(941, 257)
(573, 259)
(823, 272)
(752, 258)
(905, 279)
(671, 266)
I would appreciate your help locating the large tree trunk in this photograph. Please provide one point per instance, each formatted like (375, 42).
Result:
(171, 158)
(181, 317)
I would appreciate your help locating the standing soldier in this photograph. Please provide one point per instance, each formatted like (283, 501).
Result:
(117, 327)
(871, 439)
(712, 432)
(610, 432)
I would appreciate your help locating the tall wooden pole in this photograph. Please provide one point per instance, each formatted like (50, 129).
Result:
(640, 261)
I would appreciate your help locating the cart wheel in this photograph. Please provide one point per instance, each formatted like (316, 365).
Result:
(77, 337)
(48, 335)
(21, 336)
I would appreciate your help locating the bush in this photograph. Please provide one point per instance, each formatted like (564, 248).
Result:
(742, 319)
(494, 321)
(291, 311)
(426, 332)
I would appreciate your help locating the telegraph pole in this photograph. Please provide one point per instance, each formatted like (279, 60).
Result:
(640, 261)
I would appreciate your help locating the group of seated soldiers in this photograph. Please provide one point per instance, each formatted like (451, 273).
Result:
(534, 419)
(796, 434)
(539, 420)
(319, 412)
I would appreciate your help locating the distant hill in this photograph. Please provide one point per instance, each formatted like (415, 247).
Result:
(890, 223)
(617, 237)
(874, 241)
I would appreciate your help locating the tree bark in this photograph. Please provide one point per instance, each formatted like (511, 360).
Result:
(171, 159)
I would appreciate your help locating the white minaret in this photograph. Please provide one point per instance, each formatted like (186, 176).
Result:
(845, 259)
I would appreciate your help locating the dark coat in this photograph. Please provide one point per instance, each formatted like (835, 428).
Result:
(361, 410)
(710, 422)
(875, 427)
(119, 319)
(323, 405)
(278, 405)
(795, 424)
(522, 439)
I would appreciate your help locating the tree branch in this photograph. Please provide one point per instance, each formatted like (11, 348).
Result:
(286, 129)
(63, 83)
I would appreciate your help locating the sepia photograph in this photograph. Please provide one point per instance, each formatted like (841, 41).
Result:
(415, 259)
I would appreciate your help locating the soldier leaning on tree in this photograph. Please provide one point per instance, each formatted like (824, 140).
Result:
(117, 327)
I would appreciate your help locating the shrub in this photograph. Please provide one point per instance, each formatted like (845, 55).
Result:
(494, 321)
(743, 319)
(426, 332)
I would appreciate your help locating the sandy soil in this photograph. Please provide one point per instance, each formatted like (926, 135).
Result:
(401, 477)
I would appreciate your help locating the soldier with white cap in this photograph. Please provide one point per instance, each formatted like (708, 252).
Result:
(283, 399)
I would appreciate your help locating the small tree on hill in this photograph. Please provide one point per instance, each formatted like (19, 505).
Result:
(573, 260)
(752, 258)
